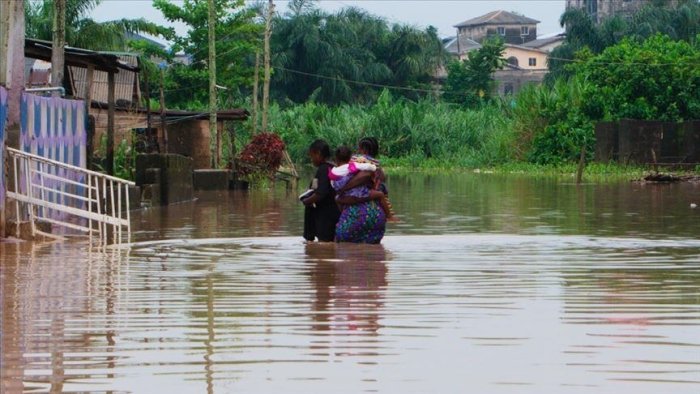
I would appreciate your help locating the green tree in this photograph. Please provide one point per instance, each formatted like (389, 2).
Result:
(341, 57)
(238, 37)
(471, 81)
(657, 79)
(679, 21)
(84, 32)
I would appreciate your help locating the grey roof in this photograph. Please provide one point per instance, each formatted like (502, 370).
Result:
(499, 17)
(540, 42)
(465, 45)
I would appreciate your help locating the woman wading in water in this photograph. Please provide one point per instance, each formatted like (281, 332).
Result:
(321, 211)
(362, 221)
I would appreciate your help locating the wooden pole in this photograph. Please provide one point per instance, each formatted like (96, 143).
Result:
(87, 95)
(266, 81)
(59, 43)
(147, 92)
(213, 129)
(109, 165)
(256, 79)
(581, 165)
(162, 112)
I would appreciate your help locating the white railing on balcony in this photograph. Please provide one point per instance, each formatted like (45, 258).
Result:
(71, 199)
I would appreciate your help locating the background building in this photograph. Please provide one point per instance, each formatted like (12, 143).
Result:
(512, 28)
(601, 9)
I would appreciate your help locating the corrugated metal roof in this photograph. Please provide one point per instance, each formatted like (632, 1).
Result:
(465, 45)
(499, 17)
(127, 88)
(540, 42)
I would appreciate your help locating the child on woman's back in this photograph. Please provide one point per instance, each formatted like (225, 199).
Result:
(368, 149)
(345, 169)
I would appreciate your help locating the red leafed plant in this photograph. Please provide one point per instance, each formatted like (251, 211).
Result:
(262, 155)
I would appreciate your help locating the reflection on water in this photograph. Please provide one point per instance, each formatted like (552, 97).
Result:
(222, 296)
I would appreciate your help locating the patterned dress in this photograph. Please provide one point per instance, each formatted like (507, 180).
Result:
(361, 223)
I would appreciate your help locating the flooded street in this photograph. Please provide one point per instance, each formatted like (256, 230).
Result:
(490, 284)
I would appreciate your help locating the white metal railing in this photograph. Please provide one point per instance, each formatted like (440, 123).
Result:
(69, 197)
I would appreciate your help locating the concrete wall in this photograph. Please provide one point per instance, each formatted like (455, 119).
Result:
(192, 139)
(512, 81)
(175, 176)
(523, 55)
(189, 138)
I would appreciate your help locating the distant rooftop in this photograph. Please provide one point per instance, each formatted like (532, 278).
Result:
(465, 45)
(499, 17)
(540, 42)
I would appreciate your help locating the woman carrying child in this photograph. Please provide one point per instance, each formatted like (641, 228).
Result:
(364, 209)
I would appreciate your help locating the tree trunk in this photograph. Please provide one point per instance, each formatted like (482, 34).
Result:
(163, 126)
(59, 43)
(213, 130)
(266, 85)
(256, 78)
(109, 165)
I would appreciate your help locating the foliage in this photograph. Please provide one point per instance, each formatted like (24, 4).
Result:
(263, 155)
(238, 36)
(658, 79)
(317, 54)
(681, 22)
(554, 123)
(84, 32)
(471, 81)
(422, 130)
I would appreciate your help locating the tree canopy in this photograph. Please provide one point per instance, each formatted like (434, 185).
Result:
(238, 36)
(342, 57)
(81, 30)
(679, 22)
(470, 82)
(657, 79)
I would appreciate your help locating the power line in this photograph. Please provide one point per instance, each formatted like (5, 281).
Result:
(622, 63)
(376, 85)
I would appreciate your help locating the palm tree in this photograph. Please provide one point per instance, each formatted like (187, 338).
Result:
(84, 32)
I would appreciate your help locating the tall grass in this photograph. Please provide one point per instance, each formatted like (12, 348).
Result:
(412, 131)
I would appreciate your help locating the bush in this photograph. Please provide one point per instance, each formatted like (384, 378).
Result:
(263, 155)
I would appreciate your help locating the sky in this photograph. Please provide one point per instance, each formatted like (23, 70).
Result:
(442, 14)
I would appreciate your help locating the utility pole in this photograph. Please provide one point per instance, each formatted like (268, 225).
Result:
(12, 78)
(266, 84)
(213, 129)
(12, 56)
(256, 78)
(163, 125)
(59, 43)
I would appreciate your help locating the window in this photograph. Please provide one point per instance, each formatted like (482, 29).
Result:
(508, 89)
(525, 30)
(532, 62)
(591, 7)
(513, 61)
(501, 31)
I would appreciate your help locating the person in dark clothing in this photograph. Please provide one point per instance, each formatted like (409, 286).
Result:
(321, 212)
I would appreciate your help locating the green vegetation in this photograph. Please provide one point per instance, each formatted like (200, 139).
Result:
(470, 82)
(414, 130)
(82, 31)
(331, 72)
(680, 23)
(340, 58)
(238, 37)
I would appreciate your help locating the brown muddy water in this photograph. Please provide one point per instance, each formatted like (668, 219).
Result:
(490, 284)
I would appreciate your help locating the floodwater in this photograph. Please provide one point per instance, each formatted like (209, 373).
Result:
(491, 284)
